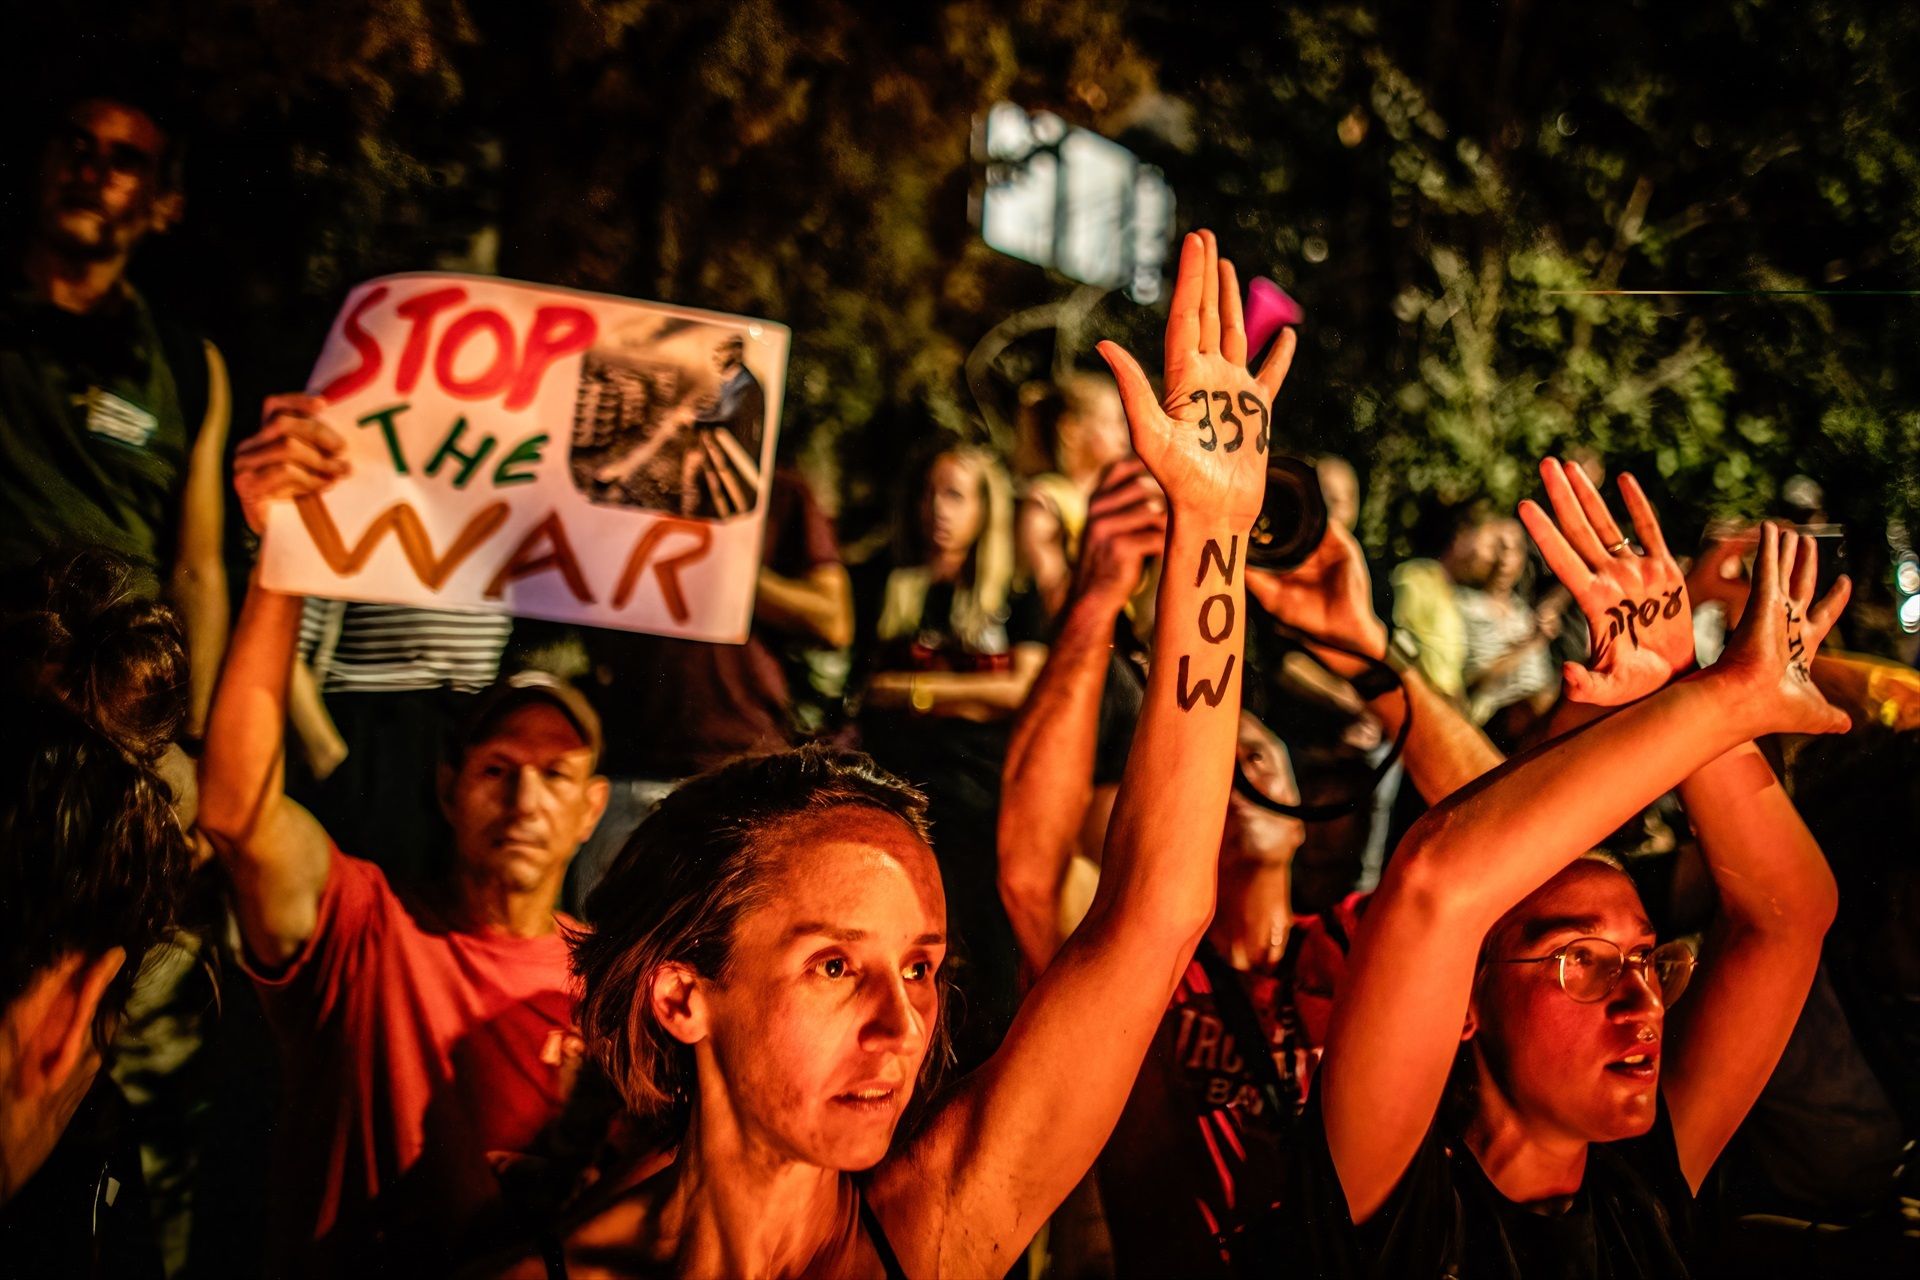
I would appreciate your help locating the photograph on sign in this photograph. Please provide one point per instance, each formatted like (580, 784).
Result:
(541, 452)
(670, 419)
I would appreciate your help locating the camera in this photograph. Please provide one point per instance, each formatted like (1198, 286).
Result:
(1293, 515)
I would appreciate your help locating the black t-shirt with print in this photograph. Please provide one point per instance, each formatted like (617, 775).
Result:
(1201, 1150)
(1632, 1218)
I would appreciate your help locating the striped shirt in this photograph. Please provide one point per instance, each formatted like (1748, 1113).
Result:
(385, 648)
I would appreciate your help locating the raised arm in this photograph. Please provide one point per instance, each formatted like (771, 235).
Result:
(1017, 1136)
(197, 584)
(1047, 782)
(1776, 894)
(1480, 852)
(273, 849)
(1329, 598)
(1777, 899)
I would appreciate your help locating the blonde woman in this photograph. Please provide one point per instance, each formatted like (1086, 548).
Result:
(953, 649)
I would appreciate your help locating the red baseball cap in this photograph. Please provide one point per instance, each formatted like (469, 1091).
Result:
(509, 693)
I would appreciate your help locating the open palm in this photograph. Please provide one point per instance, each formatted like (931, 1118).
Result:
(1782, 630)
(1206, 442)
(1635, 602)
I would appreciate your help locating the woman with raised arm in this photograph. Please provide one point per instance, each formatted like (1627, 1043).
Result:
(1503, 1094)
(763, 982)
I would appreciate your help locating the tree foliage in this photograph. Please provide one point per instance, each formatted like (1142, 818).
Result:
(1436, 182)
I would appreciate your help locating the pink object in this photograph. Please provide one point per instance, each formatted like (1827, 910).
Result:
(1268, 310)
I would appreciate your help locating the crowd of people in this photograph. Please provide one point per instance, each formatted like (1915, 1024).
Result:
(1117, 908)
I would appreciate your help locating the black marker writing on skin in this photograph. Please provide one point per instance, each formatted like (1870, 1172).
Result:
(1253, 406)
(1627, 617)
(1215, 634)
(1194, 691)
(1796, 646)
(1216, 622)
(1211, 440)
(1227, 416)
(1210, 554)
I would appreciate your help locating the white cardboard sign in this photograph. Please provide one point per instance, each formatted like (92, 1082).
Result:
(542, 452)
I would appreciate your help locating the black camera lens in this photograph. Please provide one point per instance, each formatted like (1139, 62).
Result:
(1293, 517)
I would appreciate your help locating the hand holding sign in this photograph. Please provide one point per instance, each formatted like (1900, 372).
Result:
(1208, 446)
(526, 450)
(1635, 601)
(292, 455)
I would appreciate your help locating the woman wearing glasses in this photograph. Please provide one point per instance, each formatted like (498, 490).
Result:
(1504, 1093)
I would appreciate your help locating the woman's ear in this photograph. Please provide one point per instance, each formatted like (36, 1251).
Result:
(677, 996)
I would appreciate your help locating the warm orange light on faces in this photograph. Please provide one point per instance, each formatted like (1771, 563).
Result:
(1564, 1067)
(525, 797)
(829, 1005)
(1254, 834)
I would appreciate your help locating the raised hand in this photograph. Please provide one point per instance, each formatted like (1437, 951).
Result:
(1328, 596)
(292, 455)
(1126, 526)
(1208, 445)
(1635, 600)
(1771, 653)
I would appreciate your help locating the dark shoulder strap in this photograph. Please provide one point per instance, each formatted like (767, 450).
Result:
(553, 1252)
(1335, 927)
(889, 1261)
(1237, 1011)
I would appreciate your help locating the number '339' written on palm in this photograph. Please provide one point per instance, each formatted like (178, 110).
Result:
(1251, 409)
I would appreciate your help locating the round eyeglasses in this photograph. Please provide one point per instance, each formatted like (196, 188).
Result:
(1589, 969)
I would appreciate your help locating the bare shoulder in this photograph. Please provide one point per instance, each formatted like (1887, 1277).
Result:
(624, 1234)
(915, 1192)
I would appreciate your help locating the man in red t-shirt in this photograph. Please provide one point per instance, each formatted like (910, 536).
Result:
(1200, 1149)
(423, 1034)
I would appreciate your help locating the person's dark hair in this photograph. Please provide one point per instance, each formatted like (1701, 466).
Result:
(79, 628)
(91, 855)
(679, 887)
(1438, 522)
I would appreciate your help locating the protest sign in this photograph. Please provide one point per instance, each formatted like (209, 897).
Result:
(540, 452)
